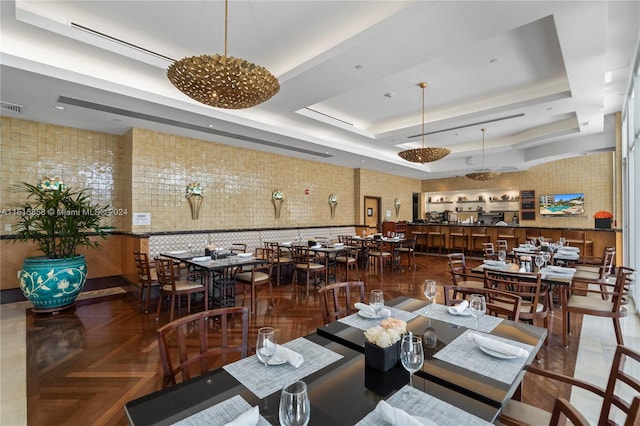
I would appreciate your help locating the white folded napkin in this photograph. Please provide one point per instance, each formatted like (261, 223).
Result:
(201, 258)
(178, 252)
(398, 417)
(317, 246)
(286, 354)
(497, 346)
(493, 262)
(287, 244)
(561, 269)
(368, 310)
(569, 248)
(244, 254)
(248, 418)
(459, 308)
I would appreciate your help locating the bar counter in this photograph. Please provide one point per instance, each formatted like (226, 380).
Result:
(601, 238)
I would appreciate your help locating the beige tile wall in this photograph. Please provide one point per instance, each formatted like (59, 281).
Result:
(31, 151)
(591, 175)
(388, 187)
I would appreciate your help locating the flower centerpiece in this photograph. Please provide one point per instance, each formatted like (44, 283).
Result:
(382, 344)
(396, 204)
(59, 220)
(194, 196)
(333, 202)
(277, 198)
(603, 219)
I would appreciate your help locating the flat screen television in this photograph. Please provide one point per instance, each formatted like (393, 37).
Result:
(562, 205)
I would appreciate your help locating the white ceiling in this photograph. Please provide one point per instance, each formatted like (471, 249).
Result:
(532, 72)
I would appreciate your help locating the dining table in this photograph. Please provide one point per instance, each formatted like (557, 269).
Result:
(221, 268)
(342, 391)
(453, 361)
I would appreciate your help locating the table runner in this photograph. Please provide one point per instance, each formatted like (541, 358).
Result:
(250, 371)
(427, 406)
(465, 353)
(357, 321)
(486, 324)
(221, 414)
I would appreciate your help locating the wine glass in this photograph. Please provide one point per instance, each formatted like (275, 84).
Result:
(533, 241)
(412, 356)
(478, 307)
(561, 242)
(376, 301)
(430, 290)
(502, 255)
(547, 257)
(539, 261)
(266, 345)
(295, 408)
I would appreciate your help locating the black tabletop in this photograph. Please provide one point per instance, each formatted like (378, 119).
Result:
(341, 394)
(482, 388)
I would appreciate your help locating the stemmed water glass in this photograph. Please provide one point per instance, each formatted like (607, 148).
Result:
(539, 261)
(547, 257)
(478, 307)
(502, 255)
(376, 301)
(430, 290)
(295, 408)
(266, 345)
(412, 356)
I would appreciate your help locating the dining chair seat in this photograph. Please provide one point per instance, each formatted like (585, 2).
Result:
(460, 275)
(182, 286)
(306, 262)
(258, 276)
(175, 287)
(348, 258)
(147, 278)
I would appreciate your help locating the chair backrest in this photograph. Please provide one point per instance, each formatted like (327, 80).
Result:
(633, 416)
(624, 277)
(575, 237)
(456, 230)
(502, 245)
(608, 259)
(457, 263)
(506, 231)
(302, 254)
(489, 251)
(528, 286)
(143, 268)
(336, 300)
(200, 342)
(499, 303)
(563, 410)
(479, 231)
(626, 361)
(238, 248)
(166, 273)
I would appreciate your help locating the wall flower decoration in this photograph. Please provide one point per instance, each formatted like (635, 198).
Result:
(277, 195)
(277, 198)
(333, 202)
(194, 188)
(333, 198)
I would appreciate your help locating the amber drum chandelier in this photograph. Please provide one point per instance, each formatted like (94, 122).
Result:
(484, 174)
(223, 81)
(424, 155)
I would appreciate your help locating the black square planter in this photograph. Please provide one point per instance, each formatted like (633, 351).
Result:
(381, 359)
(603, 223)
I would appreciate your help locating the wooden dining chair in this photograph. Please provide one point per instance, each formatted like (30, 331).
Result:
(499, 303)
(578, 239)
(147, 278)
(509, 234)
(348, 258)
(173, 286)
(435, 238)
(563, 411)
(460, 275)
(379, 254)
(593, 269)
(586, 304)
(238, 248)
(200, 342)
(529, 287)
(489, 251)
(282, 260)
(307, 263)
(259, 275)
(337, 300)
(458, 238)
(408, 249)
(621, 376)
(478, 235)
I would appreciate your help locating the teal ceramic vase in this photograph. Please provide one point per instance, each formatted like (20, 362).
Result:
(52, 284)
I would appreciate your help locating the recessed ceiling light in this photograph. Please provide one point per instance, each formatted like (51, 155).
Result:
(358, 67)
(492, 61)
(607, 77)
(390, 94)
(211, 126)
(58, 107)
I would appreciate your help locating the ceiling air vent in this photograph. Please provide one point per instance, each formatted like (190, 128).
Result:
(8, 106)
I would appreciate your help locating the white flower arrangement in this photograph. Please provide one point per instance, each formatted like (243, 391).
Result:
(333, 198)
(194, 188)
(277, 195)
(48, 184)
(387, 333)
(396, 202)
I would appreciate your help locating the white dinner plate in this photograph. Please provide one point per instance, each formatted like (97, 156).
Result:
(464, 313)
(496, 353)
(276, 361)
(244, 254)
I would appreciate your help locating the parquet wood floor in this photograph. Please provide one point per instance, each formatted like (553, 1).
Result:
(84, 366)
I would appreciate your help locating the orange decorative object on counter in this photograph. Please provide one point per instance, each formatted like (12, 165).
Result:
(602, 214)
